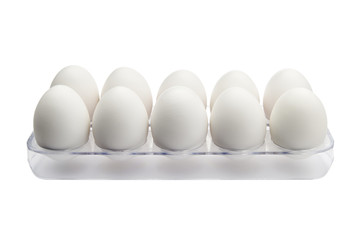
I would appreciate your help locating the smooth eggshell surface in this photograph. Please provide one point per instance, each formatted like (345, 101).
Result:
(179, 120)
(127, 77)
(187, 79)
(237, 120)
(234, 79)
(298, 120)
(120, 120)
(82, 82)
(281, 82)
(61, 119)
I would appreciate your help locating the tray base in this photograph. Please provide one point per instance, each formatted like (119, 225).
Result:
(206, 162)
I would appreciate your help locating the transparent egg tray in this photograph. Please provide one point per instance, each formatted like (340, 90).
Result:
(208, 161)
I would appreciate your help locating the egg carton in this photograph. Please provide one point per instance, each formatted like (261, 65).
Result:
(208, 161)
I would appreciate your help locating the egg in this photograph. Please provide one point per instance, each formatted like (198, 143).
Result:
(281, 82)
(61, 119)
(179, 120)
(298, 120)
(233, 79)
(82, 82)
(133, 80)
(237, 120)
(120, 120)
(187, 79)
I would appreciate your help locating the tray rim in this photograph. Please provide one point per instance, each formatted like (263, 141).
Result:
(158, 151)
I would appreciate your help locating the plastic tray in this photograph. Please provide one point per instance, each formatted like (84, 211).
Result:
(268, 161)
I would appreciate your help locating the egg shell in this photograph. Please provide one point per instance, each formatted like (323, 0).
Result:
(187, 79)
(237, 120)
(79, 79)
(61, 119)
(179, 120)
(233, 79)
(127, 77)
(298, 120)
(282, 81)
(120, 120)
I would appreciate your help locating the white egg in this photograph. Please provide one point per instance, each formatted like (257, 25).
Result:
(281, 82)
(127, 77)
(234, 79)
(82, 82)
(179, 120)
(298, 120)
(120, 120)
(237, 120)
(187, 79)
(61, 119)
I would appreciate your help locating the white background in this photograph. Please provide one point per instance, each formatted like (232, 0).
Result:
(319, 38)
